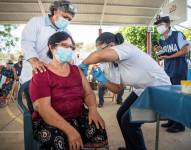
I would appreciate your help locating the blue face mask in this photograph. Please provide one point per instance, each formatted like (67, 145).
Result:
(61, 23)
(64, 55)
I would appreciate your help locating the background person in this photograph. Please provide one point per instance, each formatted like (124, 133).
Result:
(8, 76)
(101, 92)
(119, 98)
(18, 67)
(174, 47)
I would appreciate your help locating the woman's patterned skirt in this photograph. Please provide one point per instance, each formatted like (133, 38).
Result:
(51, 138)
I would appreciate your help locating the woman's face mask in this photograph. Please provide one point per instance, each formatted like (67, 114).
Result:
(63, 55)
(162, 28)
(61, 23)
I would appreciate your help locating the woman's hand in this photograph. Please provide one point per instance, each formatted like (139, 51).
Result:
(94, 116)
(74, 139)
(37, 65)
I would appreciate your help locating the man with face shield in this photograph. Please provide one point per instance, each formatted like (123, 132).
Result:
(127, 65)
(36, 33)
(174, 47)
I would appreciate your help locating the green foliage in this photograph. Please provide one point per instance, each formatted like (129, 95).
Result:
(138, 36)
(7, 40)
(187, 33)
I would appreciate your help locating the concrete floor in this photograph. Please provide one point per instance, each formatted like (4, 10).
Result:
(11, 130)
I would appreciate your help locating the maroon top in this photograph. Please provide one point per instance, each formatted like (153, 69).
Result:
(67, 94)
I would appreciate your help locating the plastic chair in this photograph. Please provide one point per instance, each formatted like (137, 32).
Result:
(29, 142)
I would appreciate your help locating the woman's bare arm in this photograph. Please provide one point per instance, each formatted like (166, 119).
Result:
(90, 101)
(49, 115)
(90, 98)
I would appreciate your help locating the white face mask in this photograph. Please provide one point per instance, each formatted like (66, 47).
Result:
(64, 55)
(162, 29)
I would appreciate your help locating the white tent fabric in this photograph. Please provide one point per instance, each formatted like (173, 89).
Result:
(91, 12)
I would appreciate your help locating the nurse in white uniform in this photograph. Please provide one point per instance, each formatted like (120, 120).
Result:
(128, 65)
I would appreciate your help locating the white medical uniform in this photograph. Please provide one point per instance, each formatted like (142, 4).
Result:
(135, 68)
(34, 43)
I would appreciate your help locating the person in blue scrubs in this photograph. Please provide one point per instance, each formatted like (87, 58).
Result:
(173, 48)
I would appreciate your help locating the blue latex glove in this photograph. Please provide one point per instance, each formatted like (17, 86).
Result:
(99, 76)
(84, 68)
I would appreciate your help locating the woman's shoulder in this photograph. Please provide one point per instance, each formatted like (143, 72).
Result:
(74, 68)
(41, 76)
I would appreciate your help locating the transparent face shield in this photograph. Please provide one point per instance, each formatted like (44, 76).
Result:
(70, 8)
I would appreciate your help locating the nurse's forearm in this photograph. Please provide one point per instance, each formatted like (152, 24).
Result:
(93, 58)
(115, 88)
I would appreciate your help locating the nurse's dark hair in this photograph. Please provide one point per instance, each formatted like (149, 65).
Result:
(108, 37)
(57, 38)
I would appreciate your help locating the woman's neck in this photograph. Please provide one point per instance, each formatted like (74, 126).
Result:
(59, 69)
(58, 65)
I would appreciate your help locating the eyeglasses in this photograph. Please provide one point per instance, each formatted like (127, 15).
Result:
(65, 45)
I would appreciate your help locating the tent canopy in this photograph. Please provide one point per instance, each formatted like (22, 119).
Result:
(91, 12)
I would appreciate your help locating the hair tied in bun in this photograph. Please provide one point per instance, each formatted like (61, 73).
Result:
(119, 38)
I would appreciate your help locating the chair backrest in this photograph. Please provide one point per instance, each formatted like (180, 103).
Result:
(24, 89)
(30, 143)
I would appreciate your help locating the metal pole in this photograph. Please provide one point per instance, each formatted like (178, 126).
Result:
(100, 31)
(41, 7)
(149, 44)
(157, 132)
(103, 12)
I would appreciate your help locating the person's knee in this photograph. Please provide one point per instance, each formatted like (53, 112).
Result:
(127, 125)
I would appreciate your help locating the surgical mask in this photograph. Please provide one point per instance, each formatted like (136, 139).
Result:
(64, 55)
(61, 23)
(161, 29)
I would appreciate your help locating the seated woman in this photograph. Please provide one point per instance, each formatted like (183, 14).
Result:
(59, 96)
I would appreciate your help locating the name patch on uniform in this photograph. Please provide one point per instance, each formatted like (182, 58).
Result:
(171, 48)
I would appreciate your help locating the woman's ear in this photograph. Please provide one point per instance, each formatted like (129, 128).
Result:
(49, 47)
